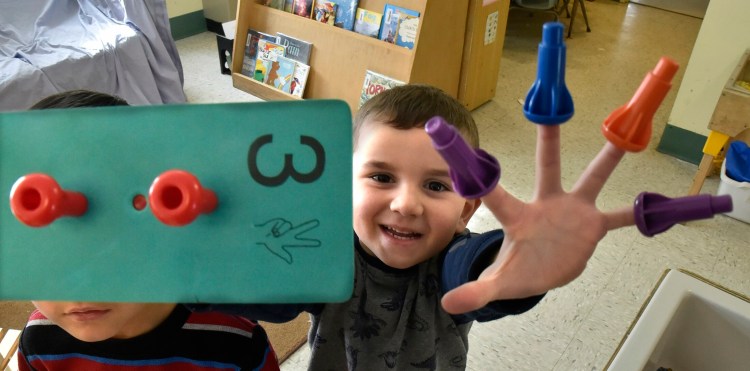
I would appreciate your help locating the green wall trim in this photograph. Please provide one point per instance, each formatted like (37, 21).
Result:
(187, 24)
(683, 144)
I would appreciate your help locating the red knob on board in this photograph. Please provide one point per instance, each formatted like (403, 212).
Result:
(177, 198)
(38, 200)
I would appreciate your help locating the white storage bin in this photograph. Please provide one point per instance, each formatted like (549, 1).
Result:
(688, 324)
(740, 193)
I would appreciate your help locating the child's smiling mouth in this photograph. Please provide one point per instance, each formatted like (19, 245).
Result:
(400, 234)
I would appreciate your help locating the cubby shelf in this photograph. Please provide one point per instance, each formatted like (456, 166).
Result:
(340, 57)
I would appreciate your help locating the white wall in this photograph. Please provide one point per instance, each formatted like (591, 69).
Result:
(180, 7)
(220, 10)
(723, 38)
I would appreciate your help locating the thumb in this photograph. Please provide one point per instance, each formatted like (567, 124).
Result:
(467, 297)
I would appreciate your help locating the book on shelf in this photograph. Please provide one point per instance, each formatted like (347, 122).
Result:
(296, 49)
(302, 8)
(288, 5)
(324, 11)
(268, 51)
(276, 4)
(299, 79)
(376, 83)
(394, 17)
(407, 30)
(251, 50)
(345, 13)
(280, 73)
(367, 22)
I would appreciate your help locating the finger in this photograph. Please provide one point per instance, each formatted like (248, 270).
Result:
(596, 174)
(306, 226)
(619, 218)
(548, 161)
(504, 206)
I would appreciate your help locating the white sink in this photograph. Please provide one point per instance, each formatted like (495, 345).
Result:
(689, 323)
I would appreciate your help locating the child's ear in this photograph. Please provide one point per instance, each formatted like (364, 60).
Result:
(470, 207)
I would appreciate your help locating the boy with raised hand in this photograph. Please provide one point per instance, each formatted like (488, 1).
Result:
(411, 243)
(132, 336)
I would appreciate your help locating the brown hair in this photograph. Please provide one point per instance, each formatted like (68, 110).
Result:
(79, 98)
(410, 106)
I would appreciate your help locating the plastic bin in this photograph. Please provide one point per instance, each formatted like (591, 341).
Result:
(740, 193)
(689, 323)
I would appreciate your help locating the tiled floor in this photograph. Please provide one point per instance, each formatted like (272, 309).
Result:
(579, 326)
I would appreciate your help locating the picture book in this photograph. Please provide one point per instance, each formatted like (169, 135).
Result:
(376, 83)
(390, 27)
(345, 13)
(407, 30)
(296, 49)
(276, 4)
(324, 11)
(268, 51)
(393, 16)
(280, 73)
(299, 79)
(367, 22)
(288, 5)
(302, 8)
(251, 50)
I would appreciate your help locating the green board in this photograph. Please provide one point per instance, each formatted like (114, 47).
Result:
(280, 232)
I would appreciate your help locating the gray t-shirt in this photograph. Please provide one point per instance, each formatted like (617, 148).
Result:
(394, 320)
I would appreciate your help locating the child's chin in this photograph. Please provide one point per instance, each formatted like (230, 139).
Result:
(399, 263)
(90, 337)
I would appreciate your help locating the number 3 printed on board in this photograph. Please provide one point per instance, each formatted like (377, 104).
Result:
(288, 170)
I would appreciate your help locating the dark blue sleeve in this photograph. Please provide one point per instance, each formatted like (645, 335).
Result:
(466, 258)
(275, 313)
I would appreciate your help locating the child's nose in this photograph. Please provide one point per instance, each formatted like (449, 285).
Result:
(407, 201)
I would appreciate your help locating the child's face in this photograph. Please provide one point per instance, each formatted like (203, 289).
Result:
(101, 321)
(405, 209)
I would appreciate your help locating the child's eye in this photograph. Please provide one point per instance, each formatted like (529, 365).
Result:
(437, 187)
(381, 178)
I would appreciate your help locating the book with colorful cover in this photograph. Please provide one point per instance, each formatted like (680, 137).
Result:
(299, 79)
(267, 52)
(276, 4)
(296, 49)
(392, 17)
(345, 13)
(389, 28)
(367, 22)
(251, 50)
(302, 8)
(288, 5)
(280, 73)
(376, 83)
(324, 11)
(408, 26)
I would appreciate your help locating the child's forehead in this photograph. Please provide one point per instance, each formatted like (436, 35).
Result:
(371, 126)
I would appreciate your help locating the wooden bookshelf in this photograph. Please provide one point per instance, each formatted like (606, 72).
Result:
(340, 57)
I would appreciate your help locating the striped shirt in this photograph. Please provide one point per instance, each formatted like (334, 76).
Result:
(186, 341)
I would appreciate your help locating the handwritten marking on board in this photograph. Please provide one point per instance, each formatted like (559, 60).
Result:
(280, 235)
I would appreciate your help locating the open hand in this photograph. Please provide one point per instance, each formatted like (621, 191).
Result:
(549, 240)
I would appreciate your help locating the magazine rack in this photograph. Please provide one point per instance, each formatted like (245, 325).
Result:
(340, 57)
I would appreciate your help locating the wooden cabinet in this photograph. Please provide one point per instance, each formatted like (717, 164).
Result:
(340, 57)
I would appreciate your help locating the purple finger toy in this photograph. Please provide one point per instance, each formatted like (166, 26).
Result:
(655, 213)
(474, 172)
